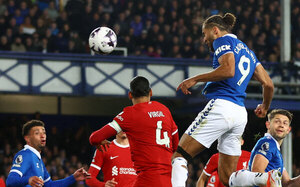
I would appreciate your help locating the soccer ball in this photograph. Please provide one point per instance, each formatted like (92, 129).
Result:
(102, 40)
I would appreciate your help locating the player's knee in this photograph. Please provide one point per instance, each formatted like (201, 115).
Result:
(176, 154)
(179, 172)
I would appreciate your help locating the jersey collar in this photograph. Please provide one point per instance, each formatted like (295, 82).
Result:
(269, 135)
(33, 150)
(231, 35)
(119, 145)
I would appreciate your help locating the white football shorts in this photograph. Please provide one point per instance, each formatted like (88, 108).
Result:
(222, 120)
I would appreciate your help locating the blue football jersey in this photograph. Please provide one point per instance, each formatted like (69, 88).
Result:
(269, 148)
(28, 162)
(232, 89)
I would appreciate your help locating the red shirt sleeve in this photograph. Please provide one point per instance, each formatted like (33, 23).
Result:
(211, 165)
(120, 123)
(105, 132)
(94, 169)
(123, 121)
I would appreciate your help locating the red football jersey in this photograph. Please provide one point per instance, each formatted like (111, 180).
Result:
(115, 163)
(2, 183)
(211, 167)
(150, 128)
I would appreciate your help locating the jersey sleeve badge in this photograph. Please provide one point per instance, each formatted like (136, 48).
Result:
(18, 161)
(264, 148)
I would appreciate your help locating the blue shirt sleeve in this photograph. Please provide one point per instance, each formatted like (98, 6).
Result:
(21, 163)
(46, 174)
(267, 148)
(15, 180)
(60, 183)
(222, 46)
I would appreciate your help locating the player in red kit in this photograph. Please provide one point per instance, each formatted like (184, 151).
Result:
(115, 163)
(210, 171)
(151, 132)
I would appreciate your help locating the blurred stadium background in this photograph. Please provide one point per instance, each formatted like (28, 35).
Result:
(47, 72)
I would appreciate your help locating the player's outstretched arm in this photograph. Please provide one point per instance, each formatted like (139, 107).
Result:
(262, 76)
(81, 175)
(93, 181)
(259, 163)
(288, 182)
(224, 71)
(97, 138)
(15, 180)
(202, 180)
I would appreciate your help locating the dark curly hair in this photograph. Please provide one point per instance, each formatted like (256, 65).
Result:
(226, 22)
(32, 123)
(139, 87)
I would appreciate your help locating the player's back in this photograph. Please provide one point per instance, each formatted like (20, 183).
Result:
(232, 89)
(149, 127)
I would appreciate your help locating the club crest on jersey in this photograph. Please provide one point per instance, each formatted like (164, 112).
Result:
(222, 48)
(114, 171)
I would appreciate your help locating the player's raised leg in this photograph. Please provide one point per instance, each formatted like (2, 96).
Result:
(229, 143)
(188, 147)
(244, 178)
(227, 165)
(207, 127)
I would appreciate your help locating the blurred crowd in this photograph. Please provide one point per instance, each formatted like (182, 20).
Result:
(167, 28)
(68, 149)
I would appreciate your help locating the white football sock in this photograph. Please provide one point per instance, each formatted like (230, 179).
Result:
(243, 178)
(179, 172)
